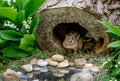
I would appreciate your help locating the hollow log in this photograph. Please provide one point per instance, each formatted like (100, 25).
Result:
(60, 17)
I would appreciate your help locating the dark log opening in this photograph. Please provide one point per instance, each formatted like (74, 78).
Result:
(61, 29)
(90, 45)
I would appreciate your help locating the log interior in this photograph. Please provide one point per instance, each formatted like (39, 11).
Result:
(90, 45)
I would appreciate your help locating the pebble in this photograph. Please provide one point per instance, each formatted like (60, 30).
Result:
(36, 68)
(58, 74)
(23, 76)
(58, 57)
(53, 69)
(36, 80)
(42, 62)
(23, 80)
(92, 67)
(63, 64)
(44, 69)
(11, 75)
(71, 64)
(80, 62)
(84, 75)
(27, 67)
(64, 70)
(52, 63)
(30, 75)
(34, 61)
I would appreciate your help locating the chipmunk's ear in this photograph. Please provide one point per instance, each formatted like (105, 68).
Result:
(71, 33)
(65, 35)
(75, 34)
(78, 36)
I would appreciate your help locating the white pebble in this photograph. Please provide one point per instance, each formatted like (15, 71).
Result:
(42, 62)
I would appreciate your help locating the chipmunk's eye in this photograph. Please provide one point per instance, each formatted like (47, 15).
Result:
(70, 41)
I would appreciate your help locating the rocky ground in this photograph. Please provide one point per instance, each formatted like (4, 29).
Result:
(51, 70)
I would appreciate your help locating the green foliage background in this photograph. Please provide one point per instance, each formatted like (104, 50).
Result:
(18, 22)
(113, 64)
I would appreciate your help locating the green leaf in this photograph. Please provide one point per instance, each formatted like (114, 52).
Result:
(111, 28)
(12, 52)
(34, 24)
(27, 43)
(118, 58)
(19, 4)
(3, 3)
(105, 78)
(8, 12)
(2, 43)
(22, 30)
(114, 36)
(115, 72)
(10, 35)
(32, 6)
(20, 17)
(2, 40)
(114, 44)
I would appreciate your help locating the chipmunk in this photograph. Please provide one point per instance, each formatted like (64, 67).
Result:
(73, 41)
(87, 47)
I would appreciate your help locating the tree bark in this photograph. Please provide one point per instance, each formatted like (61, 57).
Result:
(109, 10)
(59, 17)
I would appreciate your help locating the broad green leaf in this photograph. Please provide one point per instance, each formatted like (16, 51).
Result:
(10, 35)
(4, 58)
(105, 78)
(8, 12)
(22, 30)
(34, 24)
(114, 44)
(111, 28)
(118, 58)
(32, 6)
(2, 40)
(3, 43)
(12, 52)
(115, 72)
(19, 4)
(114, 36)
(27, 43)
(3, 4)
(20, 17)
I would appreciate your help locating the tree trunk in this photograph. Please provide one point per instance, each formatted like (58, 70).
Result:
(59, 17)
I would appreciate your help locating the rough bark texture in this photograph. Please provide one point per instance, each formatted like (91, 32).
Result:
(59, 17)
(109, 10)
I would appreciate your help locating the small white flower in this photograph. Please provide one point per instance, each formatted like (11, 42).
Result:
(109, 59)
(119, 62)
(9, 2)
(27, 31)
(11, 25)
(24, 23)
(27, 26)
(5, 24)
(14, 26)
(30, 18)
(17, 29)
(12, 7)
(115, 80)
(116, 65)
(8, 22)
(14, 0)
